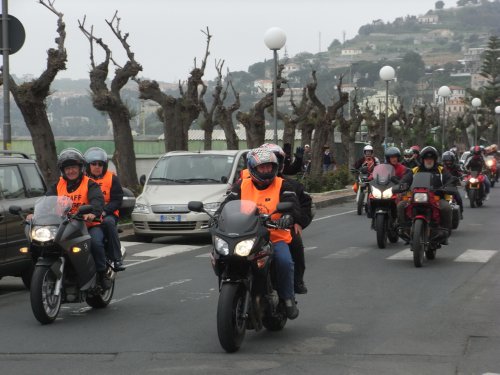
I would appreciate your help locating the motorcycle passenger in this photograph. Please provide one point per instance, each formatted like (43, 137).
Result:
(450, 165)
(369, 160)
(82, 190)
(296, 246)
(429, 163)
(475, 162)
(292, 166)
(410, 158)
(267, 189)
(97, 170)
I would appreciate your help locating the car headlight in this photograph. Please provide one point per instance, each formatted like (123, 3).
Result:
(243, 248)
(211, 207)
(420, 197)
(376, 193)
(387, 194)
(473, 180)
(141, 208)
(489, 163)
(43, 234)
(221, 246)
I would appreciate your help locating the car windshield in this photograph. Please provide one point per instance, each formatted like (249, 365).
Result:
(192, 169)
(52, 206)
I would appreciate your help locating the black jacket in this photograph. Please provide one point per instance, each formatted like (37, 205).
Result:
(440, 177)
(95, 197)
(305, 202)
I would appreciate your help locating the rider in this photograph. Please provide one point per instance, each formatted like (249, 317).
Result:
(369, 160)
(410, 160)
(82, 190)
(306, 216)
(450, 165)
(429, 163)
(493, 152)
(97, 170)
(475, 162)
(267, 190)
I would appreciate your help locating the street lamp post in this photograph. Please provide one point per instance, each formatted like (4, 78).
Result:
(387, 73)
(497, 111)
(476, 102)
(444, 92)
(275, 39)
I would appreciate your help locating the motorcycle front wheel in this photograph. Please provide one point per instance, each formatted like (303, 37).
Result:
(361, 200)
(231, 322)
(44, 303)
(381, 229)
(473, 198)
(418, 240)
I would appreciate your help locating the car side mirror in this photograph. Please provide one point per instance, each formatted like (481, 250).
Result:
(142, 180)
(195, 206)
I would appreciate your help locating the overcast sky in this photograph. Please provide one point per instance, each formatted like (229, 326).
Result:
(165, 34)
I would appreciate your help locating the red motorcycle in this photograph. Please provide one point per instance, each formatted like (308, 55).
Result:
(474, 186)
(491, 165)
(425, 235)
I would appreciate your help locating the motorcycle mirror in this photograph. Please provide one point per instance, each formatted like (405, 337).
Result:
(284, 207)
(142, 180)
(15, 210)
(85, 209)
(195, 206)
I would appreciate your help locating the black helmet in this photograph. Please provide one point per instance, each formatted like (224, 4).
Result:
(429, 152)
(68, 157)
(94, 154)
(392, 151)
(259, 156)
(448, 157)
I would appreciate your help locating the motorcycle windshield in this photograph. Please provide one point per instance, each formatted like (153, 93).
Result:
(382, 174)
(239, 216)
(422, 180)
(51, 210)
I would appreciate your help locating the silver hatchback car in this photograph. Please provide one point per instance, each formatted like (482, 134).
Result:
(177, 178)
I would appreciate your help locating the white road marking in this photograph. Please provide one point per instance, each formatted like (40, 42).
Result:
(476, 256)
(310, 248)
(348, 253)
(166, 251)
(205, 255)
(173, 283)
(329, 216)
(129, 244)
(405, 254)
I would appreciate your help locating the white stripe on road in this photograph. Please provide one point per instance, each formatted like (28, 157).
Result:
(348, 253)
(310, 248)
(166, 251)
(405, 254)
(476, 256)
(130, 243)
(173, 283)
(204, 255)
(329, 216)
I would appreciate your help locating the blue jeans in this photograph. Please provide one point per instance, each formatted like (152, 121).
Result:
(284, 270)
(97, 248)
(110, 231)
(487, 184)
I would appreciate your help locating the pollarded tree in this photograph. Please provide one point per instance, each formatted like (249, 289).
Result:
(224, 115)
(109, 100)
(178, 113)
(31, 97)
(348, 130)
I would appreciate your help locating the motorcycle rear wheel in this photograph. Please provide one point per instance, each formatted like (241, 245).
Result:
(361, 200)
(473, 198)
(231, 323)
(418, 240)
(100, 301)
(381, 229)
(455, 219)
(276, 322)
(44, 303)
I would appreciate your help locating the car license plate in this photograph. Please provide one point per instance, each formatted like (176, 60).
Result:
(170, 218)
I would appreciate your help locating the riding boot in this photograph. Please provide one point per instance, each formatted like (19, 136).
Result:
(103, 280)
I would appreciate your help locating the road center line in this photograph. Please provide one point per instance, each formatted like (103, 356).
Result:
(173, 283)
(329, 216)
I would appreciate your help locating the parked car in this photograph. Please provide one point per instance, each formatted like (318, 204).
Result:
(21, 184)
(177, 178)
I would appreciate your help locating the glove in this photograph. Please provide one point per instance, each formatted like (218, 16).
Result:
(284, 222)
(394, 180)
(213, 221)
(299, 152)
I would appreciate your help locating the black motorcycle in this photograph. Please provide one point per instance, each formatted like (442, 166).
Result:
(64, 266)
(362, 179)
(242, 260)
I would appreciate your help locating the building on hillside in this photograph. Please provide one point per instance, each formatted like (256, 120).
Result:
(290, 68)
(264, 85)
(472, 60)
(455, 107)
(351, 52)
(428, 19)
(477, 81)
(457, 92)
(377, 102)
(441, 33)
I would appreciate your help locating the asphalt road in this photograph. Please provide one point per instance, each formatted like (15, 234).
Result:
(368, 311)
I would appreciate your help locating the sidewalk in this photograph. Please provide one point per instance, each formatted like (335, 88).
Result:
(332, 197)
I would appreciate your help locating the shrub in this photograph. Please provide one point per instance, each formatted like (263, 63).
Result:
(329, 181)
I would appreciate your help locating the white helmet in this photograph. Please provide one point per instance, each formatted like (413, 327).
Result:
(368, 150)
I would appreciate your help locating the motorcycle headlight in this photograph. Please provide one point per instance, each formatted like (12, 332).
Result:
(141, 208)
(221, 246)
(376, 193)
(489, 163)
(43, 234)
(387, 194)
(243, 248)
(211, 207)
(420, 197)
(473, 180)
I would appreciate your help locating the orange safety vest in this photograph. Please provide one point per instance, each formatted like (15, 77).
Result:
(245, 173)
(267, 200)
(105, 182)
(79, 196)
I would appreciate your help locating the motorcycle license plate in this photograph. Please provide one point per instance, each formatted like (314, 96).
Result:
(473, 186)
(170, 218)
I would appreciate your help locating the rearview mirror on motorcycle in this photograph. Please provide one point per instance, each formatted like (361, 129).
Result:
(195, 206)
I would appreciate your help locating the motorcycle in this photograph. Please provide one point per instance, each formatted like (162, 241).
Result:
(242, 260)
(65, 271)
(383, 204)
(360, 187)
(425, 235)
(474, 186)
(491, 164)
(455, 210)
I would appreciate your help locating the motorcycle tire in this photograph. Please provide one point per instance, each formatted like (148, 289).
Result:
(381, 229)
(473, 198)
(430, 254)
(231, 323)
(455, 219)
(278, 321)
(493, 181)
(417, 241)
(44, 304)
(361, 201)
(100, 301)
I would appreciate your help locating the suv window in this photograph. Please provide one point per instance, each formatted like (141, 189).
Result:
(11, 183)
(34, 182)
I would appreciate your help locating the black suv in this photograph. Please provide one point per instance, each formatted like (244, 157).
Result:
(21, 184)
